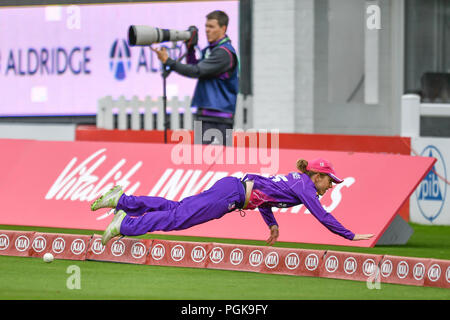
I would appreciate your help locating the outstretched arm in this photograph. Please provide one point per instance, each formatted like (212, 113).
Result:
(331, 223)
(315, 207)
(269, 219)
(267, 215)
(274, 233)
(362, 237)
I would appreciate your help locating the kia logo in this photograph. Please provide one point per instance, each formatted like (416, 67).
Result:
(255, 258)
(271, 260)
(386, 268)
(22, 243)
(369, 267)
(292, 261)
(158, 251)
(216, 255)
(312, 262)
(236, 256)
(4, 242)
(434, 273)
(118, 248)
(78, 246)
(177, 252)
(419, 271)
(402, 269)
(350, 265)
(58, 245)
(39, 244)
(331, 264)
(138, 250)
(198, 254)
(98, 247)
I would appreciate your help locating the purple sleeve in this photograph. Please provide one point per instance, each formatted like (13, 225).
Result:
(267, 215)
(315, 207)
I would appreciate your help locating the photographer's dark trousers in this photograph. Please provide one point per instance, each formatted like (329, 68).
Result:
(213, 129)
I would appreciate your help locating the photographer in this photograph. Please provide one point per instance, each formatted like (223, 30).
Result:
(216, 91)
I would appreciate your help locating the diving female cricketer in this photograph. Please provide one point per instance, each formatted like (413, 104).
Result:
(137, 215)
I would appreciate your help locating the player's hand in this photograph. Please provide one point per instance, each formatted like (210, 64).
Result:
(273, 235)
(161, 53)
(362, 237)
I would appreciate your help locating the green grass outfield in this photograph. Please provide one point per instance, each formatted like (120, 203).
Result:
(31, 278)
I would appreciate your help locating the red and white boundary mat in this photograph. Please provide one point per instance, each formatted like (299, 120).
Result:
(211, 255)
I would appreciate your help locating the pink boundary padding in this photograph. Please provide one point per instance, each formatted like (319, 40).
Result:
(62, 179)
(263, 259)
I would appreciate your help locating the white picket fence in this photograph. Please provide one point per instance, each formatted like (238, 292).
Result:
(413, 109)
(148, 114)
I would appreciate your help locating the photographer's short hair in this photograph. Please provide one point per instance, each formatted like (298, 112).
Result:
(220, 16)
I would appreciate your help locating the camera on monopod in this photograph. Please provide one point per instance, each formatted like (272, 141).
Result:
(140, 35)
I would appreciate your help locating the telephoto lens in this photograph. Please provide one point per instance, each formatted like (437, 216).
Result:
(146, 35)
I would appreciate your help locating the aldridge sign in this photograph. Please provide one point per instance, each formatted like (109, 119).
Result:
(47, 49)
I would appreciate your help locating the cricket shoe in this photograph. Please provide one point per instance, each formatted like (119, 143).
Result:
(109, 199)
(113, 229)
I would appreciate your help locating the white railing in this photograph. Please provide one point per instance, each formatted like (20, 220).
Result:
(413, 109)
(148, 114)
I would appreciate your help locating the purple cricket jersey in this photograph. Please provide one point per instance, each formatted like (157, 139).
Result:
(288, 191)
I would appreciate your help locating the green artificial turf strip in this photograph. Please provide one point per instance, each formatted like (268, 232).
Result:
(426, 241)
(31, 278)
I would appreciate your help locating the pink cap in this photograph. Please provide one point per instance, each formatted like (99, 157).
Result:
(323, 166)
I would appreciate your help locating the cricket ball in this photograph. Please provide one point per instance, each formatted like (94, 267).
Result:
(48, 257)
